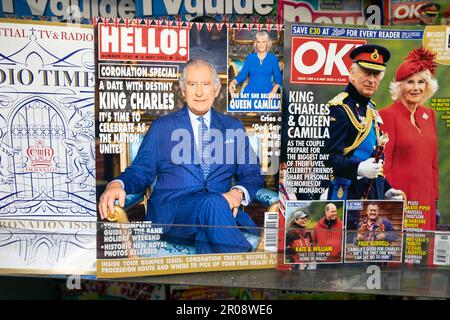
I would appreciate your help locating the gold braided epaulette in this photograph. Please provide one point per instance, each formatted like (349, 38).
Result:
(339, 99)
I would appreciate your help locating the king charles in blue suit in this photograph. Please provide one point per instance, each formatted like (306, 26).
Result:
(194, 154)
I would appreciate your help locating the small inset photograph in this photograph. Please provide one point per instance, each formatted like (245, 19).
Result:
(374, 231)
(256, 61)
(313, 232)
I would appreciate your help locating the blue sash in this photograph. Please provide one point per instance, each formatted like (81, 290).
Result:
(365, 149)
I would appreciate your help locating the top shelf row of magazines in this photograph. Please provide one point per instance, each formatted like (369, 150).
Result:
(335, 12)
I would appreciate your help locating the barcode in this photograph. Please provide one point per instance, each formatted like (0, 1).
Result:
(270, 231)
(442, 250)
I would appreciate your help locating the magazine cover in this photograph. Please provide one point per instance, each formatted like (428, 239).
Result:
(373, 231)
(113, 290)
(312, 233)
(334, 12)
(202, 174)
(47, 164)
(259, 93)
(69, 11)
(418, 12)
(186, 292)
(365, 119)
(188, 10)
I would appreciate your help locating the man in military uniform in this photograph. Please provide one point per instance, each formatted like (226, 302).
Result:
(428, 13)
(355, 134)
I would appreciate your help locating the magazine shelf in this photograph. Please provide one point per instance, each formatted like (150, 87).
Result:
(394, 280)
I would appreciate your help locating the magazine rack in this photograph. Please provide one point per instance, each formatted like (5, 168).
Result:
(382, 278)
(394, 281)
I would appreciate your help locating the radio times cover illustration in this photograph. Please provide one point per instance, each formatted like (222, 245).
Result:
(47, 189)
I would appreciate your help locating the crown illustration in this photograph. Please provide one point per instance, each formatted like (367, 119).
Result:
(40, 155)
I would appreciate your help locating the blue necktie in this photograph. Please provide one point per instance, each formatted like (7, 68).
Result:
(203, 146)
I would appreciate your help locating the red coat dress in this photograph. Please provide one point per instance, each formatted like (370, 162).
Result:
(297, 237)
(411, 157)
(323, 236)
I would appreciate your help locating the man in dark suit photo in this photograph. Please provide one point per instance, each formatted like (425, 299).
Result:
(202, 180)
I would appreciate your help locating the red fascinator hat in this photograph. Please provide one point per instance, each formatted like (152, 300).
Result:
(417, 60)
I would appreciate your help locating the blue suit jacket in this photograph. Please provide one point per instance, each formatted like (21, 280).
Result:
(174, 180)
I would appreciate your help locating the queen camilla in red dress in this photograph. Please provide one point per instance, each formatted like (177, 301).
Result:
(411, 155)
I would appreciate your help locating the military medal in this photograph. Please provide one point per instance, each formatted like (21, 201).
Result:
(362, 119)
(340, 192)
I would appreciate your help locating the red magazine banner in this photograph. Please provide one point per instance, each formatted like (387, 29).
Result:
(406, 13)
(321, 60)
(304, 12)
(143, 42)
